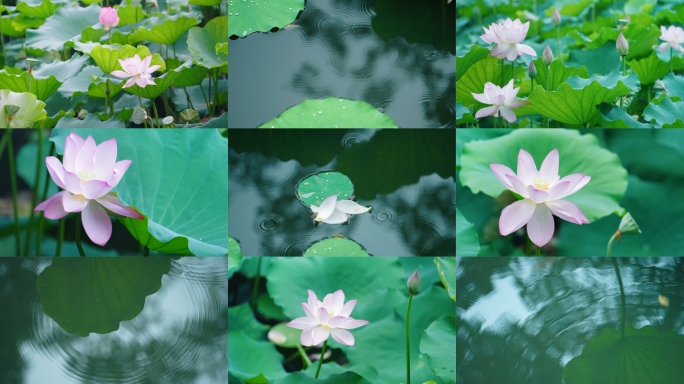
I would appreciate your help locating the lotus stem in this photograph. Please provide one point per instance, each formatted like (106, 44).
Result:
(141, 106)
(78, 236)
(206, 100)
(60, 238)
(408, 349)
(305, 358)
(670, 59)
(13, 182)
(622, 295)
(41, 218)
(34, 200)
(528, 246)
(538, 253)
(502, 72)
(558, 43)
(146, 251)
(156, 115)
(610, 244)
(320, 360)
(256, 284)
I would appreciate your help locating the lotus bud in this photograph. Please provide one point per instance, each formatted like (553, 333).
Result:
(556, 17)
(547, 56)
(532, 70)
(621, 45)
(413, 282)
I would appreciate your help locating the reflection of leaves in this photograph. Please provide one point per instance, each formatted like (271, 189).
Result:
(96, 294)
(642, 356)
(422, 153)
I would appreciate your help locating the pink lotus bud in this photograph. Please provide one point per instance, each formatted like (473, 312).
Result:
(532, 70)
(556, 17)
(621, 45)
(547, 56)
(108, 18)
(413, 282)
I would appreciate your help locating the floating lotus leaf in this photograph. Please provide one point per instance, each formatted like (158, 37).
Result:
(331, 112)
(245, 17)
(96, 294)
(643, 355)
(336, 247)
(312, 190)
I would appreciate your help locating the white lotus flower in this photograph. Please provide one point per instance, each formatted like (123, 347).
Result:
(332, 211)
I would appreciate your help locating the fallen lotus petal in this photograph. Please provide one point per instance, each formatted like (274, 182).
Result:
(332, 211)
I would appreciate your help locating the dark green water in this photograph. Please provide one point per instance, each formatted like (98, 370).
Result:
(334, 49)
(522, 320)
(407, 176)
(174, 332)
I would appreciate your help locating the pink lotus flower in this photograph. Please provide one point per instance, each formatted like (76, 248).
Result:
(673, 37)
(332, 211)
(325, 318)
(508, 37)
(88, 174)
(542, 191)
(139, 71)
(502, 99)
(109, 18)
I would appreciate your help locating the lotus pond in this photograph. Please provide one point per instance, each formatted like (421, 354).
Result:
(279, 178)
(341, 63)
(113, 64)
(165, 189)
(265, 294)
(570, 320)
(113, 320)
(615, 192)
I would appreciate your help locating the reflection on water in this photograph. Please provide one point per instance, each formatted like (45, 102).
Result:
(332, 50)
(178, 337)
(407, 176)
(522, 320)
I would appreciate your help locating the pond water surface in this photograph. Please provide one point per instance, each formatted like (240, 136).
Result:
(176, 335)
(332, 49)
(407, 176)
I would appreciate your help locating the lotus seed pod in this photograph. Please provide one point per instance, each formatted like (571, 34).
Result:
(82, 114)
(167, 120)
(139, 115)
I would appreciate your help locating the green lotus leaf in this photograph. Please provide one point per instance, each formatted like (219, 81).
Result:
(312, 190)
(446, 268)
(244, 19)
(91, 121)
(251, 359)
(576, 99)
(96, 294)
(30, 111)
(162, 83)
(643, 355)
(197, 94)
(61, 70)
(288, 282)
(467, 240)
(649, 69)
(601, 60)
(464, 62)
(83, 83)
(666, 113)
(214, 122)
(477, 76)
(559, 73)
(599, 198)
(178, 180)
(270, 310)
(332, 368)
(42, 88)
(641, 39)
(439, 344)
(41, 10)
(66, 24)
(674, 85)
(91, 34)
(241, 317)
(463, 114)
(202, 43)
(15, 25)
(429, 22)
(207, 3)
(617, 117)
(234, 247)
(569, 7)
(107, 56)
(129, 14)
(284, 336)
(596, 40)
(221, 48)
(165, 29)
(331, 112)
(342, 378)
(655, 239)
(336, 247)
